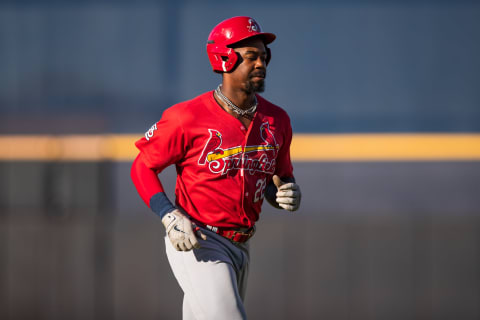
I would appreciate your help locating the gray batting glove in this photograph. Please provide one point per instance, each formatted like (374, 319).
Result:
(288, 194)
(181, 231)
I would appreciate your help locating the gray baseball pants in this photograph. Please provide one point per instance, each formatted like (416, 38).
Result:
(213, 278)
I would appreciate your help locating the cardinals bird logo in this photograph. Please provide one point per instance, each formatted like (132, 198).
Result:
(268, 136)
(212, 146)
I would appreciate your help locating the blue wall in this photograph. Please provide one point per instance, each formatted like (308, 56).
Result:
(338, 66)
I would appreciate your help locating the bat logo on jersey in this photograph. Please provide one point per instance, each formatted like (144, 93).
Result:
(251, 158)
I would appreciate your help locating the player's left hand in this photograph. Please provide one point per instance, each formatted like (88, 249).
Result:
(288, 194)
(181, 231)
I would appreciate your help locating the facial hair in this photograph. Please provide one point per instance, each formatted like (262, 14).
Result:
(254, 87)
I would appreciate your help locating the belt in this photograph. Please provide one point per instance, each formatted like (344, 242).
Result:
(234, 235)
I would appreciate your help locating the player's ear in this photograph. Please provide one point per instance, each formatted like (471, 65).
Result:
(269, 55)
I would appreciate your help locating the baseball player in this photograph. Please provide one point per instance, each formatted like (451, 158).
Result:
(231, 149)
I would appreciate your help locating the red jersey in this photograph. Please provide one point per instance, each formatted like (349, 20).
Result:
(222, 167)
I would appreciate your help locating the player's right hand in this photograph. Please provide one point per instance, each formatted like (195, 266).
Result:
(288, 194)
(181, 231)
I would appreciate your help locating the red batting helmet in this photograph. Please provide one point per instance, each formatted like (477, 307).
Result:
(230, 31)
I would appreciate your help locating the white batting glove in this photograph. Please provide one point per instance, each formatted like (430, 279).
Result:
(181, 231)
(288, 194)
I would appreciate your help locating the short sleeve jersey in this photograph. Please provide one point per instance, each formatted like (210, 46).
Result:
(222, 167)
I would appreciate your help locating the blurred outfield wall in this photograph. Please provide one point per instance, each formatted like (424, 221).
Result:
(388, 92)
(337, 66)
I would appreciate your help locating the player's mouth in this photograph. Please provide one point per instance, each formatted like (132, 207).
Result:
(258, 76)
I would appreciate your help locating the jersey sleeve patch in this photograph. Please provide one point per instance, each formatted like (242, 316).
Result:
(149, 134)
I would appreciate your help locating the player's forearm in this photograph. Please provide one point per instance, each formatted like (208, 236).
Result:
(149, 187)
(145, 180)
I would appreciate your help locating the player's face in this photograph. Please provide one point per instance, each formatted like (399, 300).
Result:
(251, 70)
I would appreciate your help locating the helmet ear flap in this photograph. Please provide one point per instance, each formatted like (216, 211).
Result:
(222, 59)
(231, 62)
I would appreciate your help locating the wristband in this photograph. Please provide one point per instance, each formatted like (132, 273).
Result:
(160, 204)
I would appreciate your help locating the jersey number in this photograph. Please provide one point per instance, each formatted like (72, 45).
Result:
(260, 193)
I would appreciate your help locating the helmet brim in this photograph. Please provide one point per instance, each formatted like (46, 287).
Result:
(267, 37)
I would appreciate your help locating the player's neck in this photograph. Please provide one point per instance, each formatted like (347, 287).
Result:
(239, 97)
(245, 119)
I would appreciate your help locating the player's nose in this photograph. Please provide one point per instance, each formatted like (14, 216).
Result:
(260, 63)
